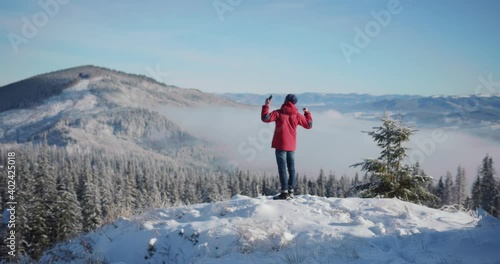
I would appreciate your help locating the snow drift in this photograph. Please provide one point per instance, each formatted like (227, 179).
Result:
(308, 229)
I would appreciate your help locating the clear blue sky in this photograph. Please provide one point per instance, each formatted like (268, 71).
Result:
(261, 46)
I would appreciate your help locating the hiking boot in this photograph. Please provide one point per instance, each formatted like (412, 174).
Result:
(281, 196)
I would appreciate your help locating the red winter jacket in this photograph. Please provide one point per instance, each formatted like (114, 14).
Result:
(287, 119)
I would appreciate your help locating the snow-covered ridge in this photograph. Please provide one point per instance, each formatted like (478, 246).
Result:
(67, 101)
(76, 98)
(486, 95)
(307, 229)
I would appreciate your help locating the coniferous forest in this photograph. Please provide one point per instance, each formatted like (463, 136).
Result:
(61, 195)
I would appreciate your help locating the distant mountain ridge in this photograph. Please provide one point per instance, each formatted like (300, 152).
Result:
(468, 111)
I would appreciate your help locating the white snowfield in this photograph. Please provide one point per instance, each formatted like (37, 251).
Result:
(307, 229)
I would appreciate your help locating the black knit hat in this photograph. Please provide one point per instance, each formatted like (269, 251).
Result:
(291, 98)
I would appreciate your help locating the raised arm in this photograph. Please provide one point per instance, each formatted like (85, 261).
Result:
(306, 120)
(267, 116)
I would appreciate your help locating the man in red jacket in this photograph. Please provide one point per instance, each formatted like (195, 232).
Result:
(287, 119)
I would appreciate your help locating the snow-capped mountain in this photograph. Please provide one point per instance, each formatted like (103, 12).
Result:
(307, 229)
(93, 107)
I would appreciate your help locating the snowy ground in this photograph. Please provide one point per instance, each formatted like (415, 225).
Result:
(307, 229)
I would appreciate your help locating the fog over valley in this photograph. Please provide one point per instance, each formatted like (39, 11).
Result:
(333, 144)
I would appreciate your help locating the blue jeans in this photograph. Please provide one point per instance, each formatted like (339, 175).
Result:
(285, 159)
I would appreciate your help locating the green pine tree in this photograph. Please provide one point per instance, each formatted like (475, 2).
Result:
(477, 193)
(488, 186)
(393, 177)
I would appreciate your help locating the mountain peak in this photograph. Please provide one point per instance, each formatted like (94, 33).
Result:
(36, 90)
(98, 107)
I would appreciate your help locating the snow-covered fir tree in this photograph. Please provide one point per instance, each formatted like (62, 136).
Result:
(68, 212)
(321, 183)
(440, 193)
(304, 187)
(394, 178)
(459, 190)
(331, 186)
(129, 190)
(108, 208)
(189, 192)
(448, 189)
(91, 214)
(489, 198)
(24, 207)
(43, 205)
(477, 193)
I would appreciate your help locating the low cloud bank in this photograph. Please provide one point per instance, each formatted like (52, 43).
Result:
(334, 143)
